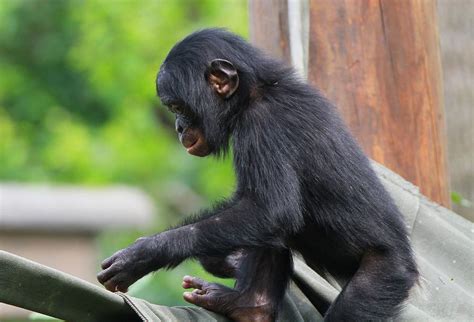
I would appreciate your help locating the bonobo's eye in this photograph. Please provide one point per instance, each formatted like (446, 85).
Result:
(176, 109)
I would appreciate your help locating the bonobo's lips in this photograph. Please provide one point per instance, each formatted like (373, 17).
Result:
(190, 145)
(195, 144)
(198, 148)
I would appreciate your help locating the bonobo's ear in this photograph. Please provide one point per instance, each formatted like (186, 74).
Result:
(223, 77)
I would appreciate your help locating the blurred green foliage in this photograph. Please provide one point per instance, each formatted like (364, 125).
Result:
(78, 105)
(458, 199)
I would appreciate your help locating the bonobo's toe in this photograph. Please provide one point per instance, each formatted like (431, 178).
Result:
(224, 300)
(194, 282)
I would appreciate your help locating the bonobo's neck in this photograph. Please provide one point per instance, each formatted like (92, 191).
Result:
(274, 108)
(261, 113)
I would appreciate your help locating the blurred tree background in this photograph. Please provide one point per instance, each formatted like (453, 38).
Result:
(78, 105)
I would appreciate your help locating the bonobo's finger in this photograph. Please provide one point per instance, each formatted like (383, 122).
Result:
(193, 282)
(116, 285)
(108, 261)
(121, 287)
(104, 275)
(110, 285)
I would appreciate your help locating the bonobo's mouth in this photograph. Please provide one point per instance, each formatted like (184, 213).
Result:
(194, 143)
(199, 148)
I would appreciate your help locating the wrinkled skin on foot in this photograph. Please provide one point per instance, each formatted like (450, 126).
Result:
(226, 301)
(128, 265)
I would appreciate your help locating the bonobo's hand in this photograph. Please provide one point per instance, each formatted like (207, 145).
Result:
(128, 265)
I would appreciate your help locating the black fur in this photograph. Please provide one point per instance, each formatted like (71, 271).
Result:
(302, 184)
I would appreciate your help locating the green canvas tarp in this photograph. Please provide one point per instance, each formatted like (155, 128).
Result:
(443, 243)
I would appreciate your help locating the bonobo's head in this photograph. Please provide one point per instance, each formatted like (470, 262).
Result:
(205, 81)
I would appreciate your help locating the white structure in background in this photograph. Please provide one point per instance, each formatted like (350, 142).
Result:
(298, 22)
(57, 226)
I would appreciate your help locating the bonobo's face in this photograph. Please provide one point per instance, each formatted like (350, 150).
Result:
(189, 132)
(187, 125)
(198, 101)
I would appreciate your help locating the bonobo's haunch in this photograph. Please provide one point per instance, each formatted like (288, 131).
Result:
(302, 184)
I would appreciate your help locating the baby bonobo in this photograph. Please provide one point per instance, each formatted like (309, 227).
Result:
(303, 184)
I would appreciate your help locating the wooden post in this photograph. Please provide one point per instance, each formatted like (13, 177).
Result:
(269, 27)
(379, 61)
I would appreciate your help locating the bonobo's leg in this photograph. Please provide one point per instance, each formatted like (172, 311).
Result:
(222, 266)
(261, 281)
(377, 290)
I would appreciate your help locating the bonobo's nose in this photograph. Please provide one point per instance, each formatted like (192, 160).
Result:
(178, 127)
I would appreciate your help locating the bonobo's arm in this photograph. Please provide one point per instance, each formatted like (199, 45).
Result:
(253, 220)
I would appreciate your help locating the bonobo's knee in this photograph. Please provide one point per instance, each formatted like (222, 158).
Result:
(221, 266)
(215, 266)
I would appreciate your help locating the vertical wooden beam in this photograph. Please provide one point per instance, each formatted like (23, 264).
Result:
(379, 61)
(269, 27)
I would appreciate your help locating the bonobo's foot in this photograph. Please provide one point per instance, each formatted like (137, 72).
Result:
(227, 301)
(128, 265)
